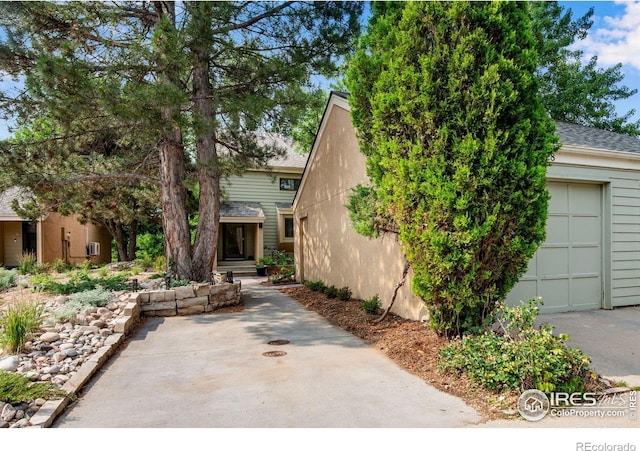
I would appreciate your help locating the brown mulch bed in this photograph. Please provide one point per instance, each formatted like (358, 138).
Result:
(411, 345)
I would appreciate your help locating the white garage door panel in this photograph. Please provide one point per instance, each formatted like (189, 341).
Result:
(567, 269)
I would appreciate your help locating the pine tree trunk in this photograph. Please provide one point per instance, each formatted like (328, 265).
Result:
(175, 223)
(133, 235)
(206, 240)
(118, 236)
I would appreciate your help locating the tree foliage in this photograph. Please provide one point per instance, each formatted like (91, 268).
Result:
(574, 91)
(457, 140)
(201, 81)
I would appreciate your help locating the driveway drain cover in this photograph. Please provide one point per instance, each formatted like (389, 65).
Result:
(274, 353)
(278, 342)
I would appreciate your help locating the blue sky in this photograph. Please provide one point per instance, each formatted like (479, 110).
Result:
(614, 38)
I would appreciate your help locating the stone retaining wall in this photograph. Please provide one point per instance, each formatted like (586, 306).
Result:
(189, 300)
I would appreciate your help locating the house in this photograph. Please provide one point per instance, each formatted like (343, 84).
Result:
(49, 238)
(590, 259)
(255, 213)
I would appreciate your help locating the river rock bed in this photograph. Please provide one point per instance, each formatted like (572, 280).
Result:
(58, 352)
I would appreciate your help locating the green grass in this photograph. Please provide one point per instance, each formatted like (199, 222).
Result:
(17, 322)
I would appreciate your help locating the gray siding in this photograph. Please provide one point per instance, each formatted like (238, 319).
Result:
(621, 229)
(261, 187)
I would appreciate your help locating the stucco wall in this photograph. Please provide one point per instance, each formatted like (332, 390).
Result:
(327, 247)
(81, 235)
(12, 243)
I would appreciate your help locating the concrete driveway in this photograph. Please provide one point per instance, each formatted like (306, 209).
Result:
(210, 371)
(610, 337)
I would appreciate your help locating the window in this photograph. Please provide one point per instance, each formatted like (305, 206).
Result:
(289, 184)
(288, 228)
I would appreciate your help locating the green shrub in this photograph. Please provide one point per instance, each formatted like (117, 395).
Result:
(457, 139)
(16, 388)
(103, 271)
(86, 265)
(98, 297)
(331, 292)
(316, 286)
(344, 294)
(60, 266)
(70, 310)
(518, 356)
(8, 278)
(160, 264)
(178, 283)
(27, 263)
(371, 305)
(40, 282)
(135, 270)
(149, 247)
(17, 322)
(79, 281)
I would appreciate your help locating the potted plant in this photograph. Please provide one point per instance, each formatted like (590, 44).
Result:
(261, 267)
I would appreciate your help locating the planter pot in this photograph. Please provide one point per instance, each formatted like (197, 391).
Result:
(261, 270)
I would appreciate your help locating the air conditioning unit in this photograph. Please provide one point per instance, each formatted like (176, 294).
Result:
(93, 248)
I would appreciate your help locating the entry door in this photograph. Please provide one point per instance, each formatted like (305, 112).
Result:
(233, 242)
(566, 271)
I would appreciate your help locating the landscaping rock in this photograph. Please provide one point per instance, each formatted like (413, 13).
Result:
(10, 363)
(51, 369)
(100, 324)
(49, 337)
(4, 425)
(8, 412)
(61, 300)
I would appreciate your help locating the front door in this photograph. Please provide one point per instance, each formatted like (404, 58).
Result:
(233, 242)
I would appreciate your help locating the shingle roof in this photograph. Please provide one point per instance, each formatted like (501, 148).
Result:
(6, 198)
(582, 136)
(239, 209)
(291, 159)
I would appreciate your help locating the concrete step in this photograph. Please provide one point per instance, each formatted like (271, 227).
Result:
(239, 268)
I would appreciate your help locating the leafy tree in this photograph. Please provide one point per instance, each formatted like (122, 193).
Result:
(201, 80)
(574, 91)
(457, 140)
(89, 179)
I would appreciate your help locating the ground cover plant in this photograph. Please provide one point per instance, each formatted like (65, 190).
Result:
(16, 388)
(79, 281)
(513, 354)
(8, 278)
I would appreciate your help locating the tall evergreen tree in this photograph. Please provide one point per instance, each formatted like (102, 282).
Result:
(457, 140)
(199, 79)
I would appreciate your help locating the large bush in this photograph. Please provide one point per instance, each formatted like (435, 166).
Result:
(517, 356)
(457, 142)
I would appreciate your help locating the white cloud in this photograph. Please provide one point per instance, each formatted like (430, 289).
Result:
(615, 39)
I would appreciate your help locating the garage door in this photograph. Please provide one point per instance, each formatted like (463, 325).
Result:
(566, 271)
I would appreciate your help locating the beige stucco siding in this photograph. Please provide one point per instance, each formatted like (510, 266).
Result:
(12, 243)
(51, 245)
(327, 247)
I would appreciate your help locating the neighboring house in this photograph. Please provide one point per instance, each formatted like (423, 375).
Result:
(255, 213)
(50, 238)
(590, 259)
